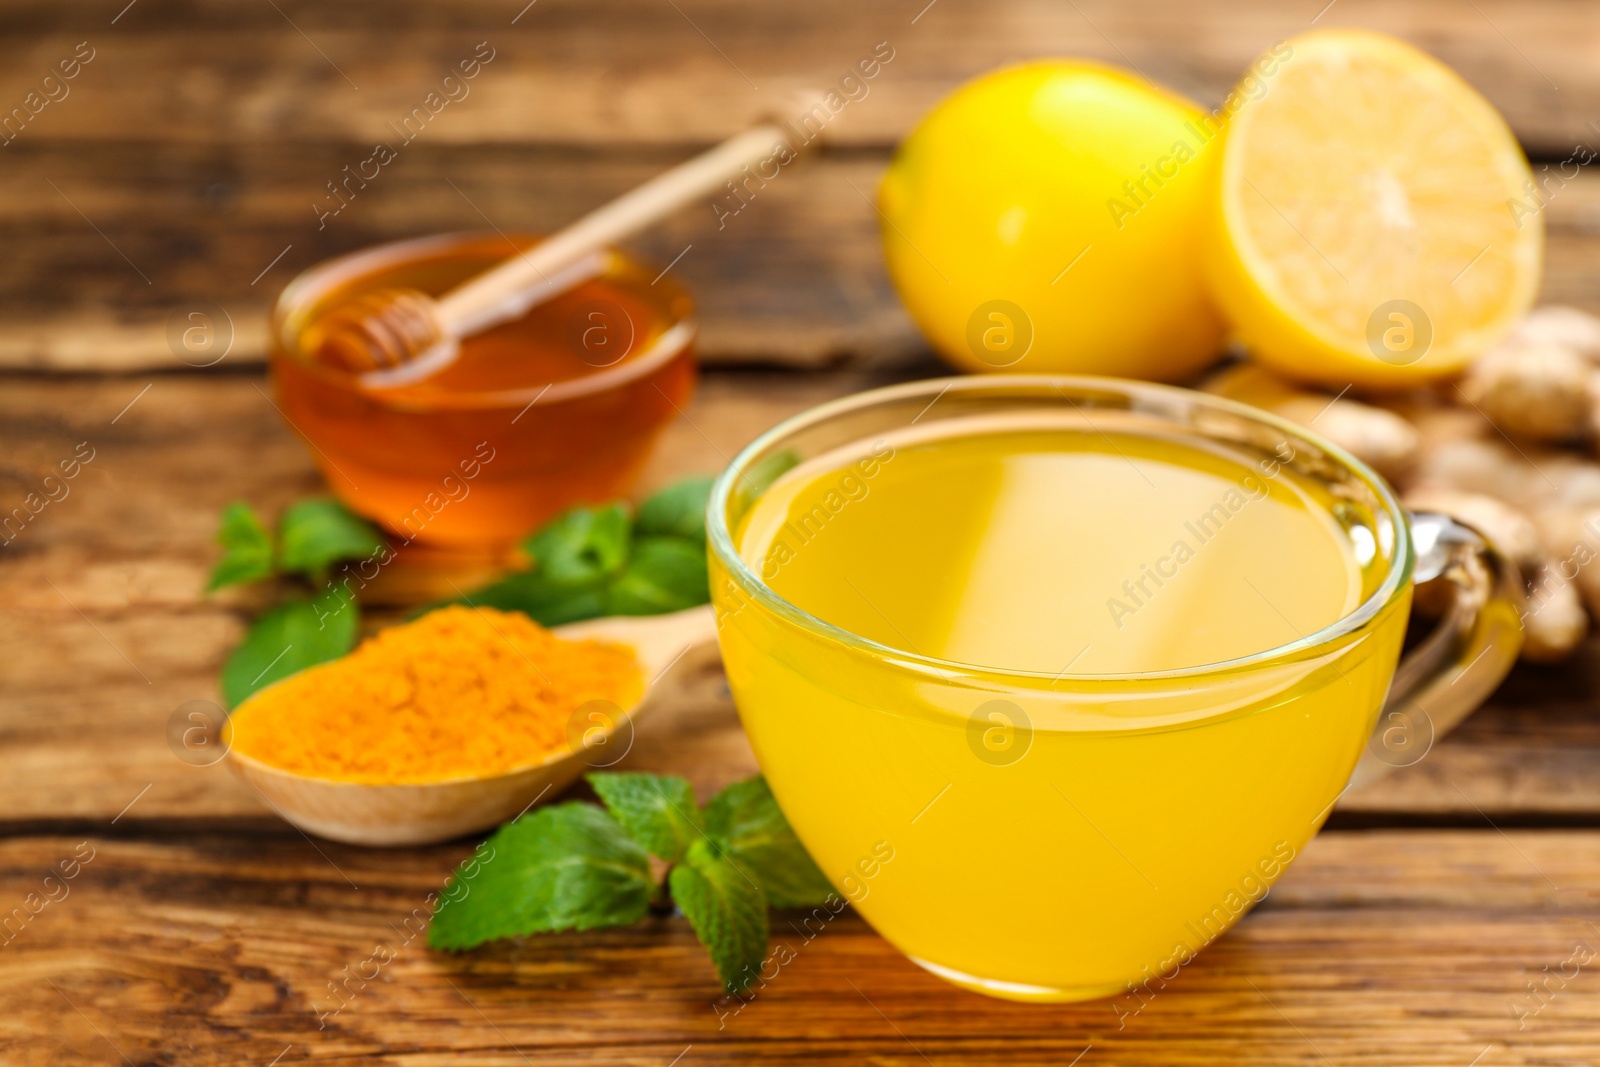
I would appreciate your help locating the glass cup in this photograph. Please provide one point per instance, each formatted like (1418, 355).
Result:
(1070, 837)
(477, 468)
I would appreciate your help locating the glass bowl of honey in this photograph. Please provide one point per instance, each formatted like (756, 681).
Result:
(557, 408)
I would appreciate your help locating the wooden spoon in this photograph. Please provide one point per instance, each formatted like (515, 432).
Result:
(395, 336)
(359, 813)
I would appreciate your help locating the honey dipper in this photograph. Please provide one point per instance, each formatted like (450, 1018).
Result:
(392, 336)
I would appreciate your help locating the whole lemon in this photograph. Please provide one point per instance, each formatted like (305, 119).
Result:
(1047, 217)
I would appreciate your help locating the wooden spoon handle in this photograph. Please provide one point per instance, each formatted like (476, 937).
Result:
(468, 303)
(660, 641)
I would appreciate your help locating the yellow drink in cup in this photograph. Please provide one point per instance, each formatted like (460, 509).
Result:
(1059, 550)
(1053, 677)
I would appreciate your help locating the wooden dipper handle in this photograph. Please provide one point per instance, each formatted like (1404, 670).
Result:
(472, 306)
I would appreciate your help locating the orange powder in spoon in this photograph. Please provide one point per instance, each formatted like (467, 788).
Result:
(458, 693)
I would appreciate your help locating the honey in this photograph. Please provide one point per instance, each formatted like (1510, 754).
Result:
(557, 408)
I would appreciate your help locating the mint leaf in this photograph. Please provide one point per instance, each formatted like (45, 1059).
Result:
(679, 510)
(315, 534)
(664, 574)
(288, 639)
(658, 810)
(586, 567)
(566, 867)
(546, 602)
(246, 548)
(744, 820)
(727, 910)
(582, 545)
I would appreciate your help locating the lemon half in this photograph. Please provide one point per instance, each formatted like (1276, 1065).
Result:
(1376, 222)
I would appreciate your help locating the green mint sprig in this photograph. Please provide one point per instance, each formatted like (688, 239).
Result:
(594, 561)
(301, 632)
(246, 548)
(576, 866)
(587, 562)
(313, 535)
(306, 628)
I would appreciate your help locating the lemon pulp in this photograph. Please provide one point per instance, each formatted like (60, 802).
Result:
(1375, 217)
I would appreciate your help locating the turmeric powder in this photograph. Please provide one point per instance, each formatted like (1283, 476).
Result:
(460, 692)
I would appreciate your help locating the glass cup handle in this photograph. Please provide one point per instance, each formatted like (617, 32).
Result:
(1455, 668)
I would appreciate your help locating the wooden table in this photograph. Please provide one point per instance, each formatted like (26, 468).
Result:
(181, 172)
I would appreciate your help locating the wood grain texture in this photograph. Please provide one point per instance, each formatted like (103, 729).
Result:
(196, 147)
(101, 604)
(108, 245)
(606, 72)
(1525, 758)
(183, 170)
(108, 633)
(1376, 948)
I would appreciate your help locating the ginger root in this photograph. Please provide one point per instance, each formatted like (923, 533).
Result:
(1554, 622)
(1550, 551)
(1508, 529)
(1540, 390)
(1381, 439)
(1570, 537)
(1557, 325)
(1528, 476)
(1494, 450)
(1473, 465)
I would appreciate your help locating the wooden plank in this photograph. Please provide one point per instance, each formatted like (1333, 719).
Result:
(1379, 948)
(1526, 758)
(620, 70)
(108, 632)
(108, 243)
(104, 619)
